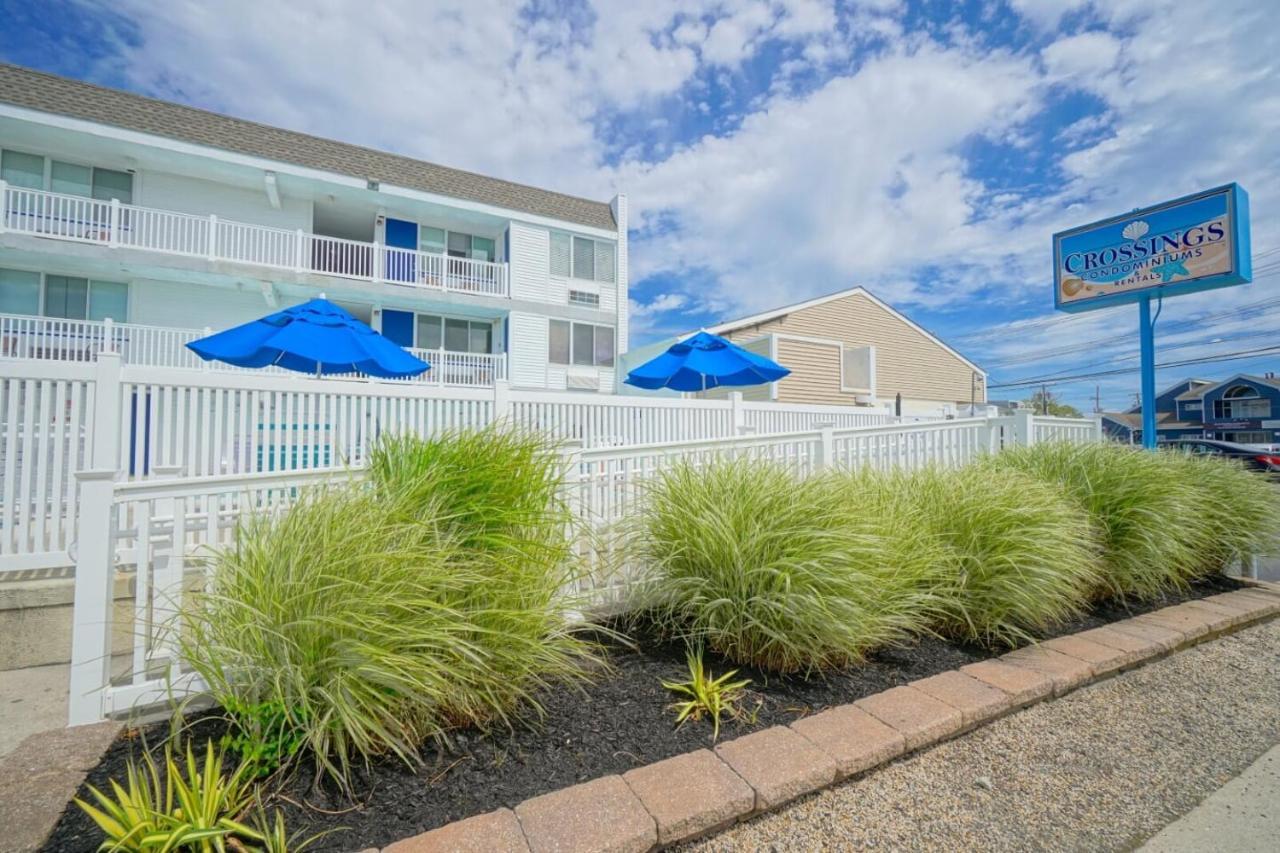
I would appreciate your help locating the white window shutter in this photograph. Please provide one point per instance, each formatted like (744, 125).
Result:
(604, 262)
(559, 254)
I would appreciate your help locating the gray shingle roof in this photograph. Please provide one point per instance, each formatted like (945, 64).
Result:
(50, 93)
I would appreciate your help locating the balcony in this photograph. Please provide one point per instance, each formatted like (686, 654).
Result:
(109, 223)
(49, 338)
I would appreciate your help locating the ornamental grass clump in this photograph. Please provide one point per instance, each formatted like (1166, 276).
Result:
(369, 618)
(1149, 520)
(1238, 509)
(1015, 556)
(770, 570)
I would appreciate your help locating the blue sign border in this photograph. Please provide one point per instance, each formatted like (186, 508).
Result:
(1241, 254)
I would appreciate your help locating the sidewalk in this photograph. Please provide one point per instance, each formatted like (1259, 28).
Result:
(1243, 816)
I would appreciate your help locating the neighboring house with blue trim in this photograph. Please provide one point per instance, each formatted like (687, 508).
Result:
(1242, 408)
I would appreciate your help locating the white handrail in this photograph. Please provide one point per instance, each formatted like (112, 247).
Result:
(61, 216)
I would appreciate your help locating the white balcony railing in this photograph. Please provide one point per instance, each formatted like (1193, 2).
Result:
(52, 339)
(111, 223)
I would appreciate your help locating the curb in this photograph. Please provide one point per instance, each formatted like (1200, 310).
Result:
(697, 793)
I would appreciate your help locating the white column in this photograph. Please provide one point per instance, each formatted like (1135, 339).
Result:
(93, 598)
(1098, 434)
(300, 255)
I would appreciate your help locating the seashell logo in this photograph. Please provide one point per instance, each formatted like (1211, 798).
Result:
(1134, 230)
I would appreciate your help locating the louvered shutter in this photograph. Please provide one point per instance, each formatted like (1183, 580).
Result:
(559, 254)
(604, 262)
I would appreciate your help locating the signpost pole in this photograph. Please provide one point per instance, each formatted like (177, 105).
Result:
(1148, 346)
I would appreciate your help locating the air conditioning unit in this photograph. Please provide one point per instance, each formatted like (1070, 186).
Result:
(582, 382)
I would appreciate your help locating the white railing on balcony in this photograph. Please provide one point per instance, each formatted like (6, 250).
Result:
(111, 223)
(54, 339)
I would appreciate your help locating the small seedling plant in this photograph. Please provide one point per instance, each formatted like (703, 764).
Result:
(714, 697)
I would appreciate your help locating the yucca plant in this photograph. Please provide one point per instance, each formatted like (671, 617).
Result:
(1149, 522)
(1014, 555)
(714, 697)
(369, 618)
(191, 805)
(771, 570)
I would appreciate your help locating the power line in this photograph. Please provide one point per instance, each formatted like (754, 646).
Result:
(1232, 356)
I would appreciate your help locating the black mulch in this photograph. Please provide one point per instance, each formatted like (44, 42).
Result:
(619, 722)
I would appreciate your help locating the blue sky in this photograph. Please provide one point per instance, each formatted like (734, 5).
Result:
(774, 150)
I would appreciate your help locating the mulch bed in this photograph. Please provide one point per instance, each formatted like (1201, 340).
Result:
(619, 722)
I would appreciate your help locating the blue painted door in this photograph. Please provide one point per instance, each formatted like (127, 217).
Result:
(401, 234)
(398, 326)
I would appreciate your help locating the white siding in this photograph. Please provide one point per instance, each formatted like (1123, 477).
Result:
(192, 195)
(530, 255)
(527, 343)
(193, 306)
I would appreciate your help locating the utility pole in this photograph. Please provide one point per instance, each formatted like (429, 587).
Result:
(1044, 399)
(1097, 398)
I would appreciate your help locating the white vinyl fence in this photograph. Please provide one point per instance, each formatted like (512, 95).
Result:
(156, 529)
(60, 416)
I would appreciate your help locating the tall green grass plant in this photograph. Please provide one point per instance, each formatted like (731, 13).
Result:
(773, 571)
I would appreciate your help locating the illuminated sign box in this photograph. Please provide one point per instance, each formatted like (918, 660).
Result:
(1194, 243)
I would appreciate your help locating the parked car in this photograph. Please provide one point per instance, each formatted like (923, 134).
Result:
(1259, 460)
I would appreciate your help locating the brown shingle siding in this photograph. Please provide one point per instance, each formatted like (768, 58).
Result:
(49, 93)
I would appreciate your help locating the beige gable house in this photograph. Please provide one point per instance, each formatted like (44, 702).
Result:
(850, 348)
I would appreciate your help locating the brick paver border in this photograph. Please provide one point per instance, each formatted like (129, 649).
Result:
(679, 798)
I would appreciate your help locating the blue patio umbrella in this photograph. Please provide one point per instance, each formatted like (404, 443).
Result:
(705, 361)
(314, 337)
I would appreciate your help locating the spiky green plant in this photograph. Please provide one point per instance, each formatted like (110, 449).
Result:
(771, 570)
(191, 805)
(714, 697)
(1238, 509)
(1015, 557)
(1149, 522)
(377, 616)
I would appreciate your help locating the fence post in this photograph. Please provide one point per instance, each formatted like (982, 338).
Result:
(206, 365)
(4, 206)
(105, 445)
(113, 233)
(501, 400)
(1024, 429)
(213, 236)
(737, 417)
(378, 259)
(301, 251)
(93, 598)
(1098, 434)
(824, 453)
(167, 575)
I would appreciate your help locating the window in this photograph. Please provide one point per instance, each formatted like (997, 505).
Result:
(454, 334)
(456, 244)
(22, 170)
(582, 258)
(1241, 401)
(28, 170)
(580, 344)
(1250, 437)
(19, 292)
(581, 297)
(1191, 407)
(66, 297)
